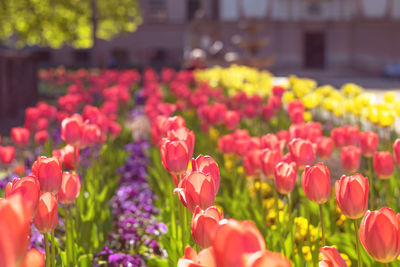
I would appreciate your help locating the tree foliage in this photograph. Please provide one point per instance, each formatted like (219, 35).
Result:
(57, 22)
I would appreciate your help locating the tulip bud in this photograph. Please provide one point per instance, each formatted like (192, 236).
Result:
(41, 137)
(316, 183)
(324, 147)
(396, 151)
(225, 143)
(204, 223)
(247, 239)
(265, 258)
(20, 136)
(205, 257)
(269, 159)
(71, 129)
(383, 164)
(380, 234)
(368, 143)
(285, 177)
(70, 188)
(331, 257)
(271, 141)
(351, 194)
(207, 165)
(49, 173)
(197, 189)
(29, 189)
(66, 156)
(252, 162)
(7, 154)
(91, 135)
(175, 156)
(350, 157)
(15, 228)
(34, 258)
(338, 137)
(231, 119)
(302, 152)
(46, 218)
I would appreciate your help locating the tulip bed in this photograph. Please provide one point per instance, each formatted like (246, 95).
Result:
(216, 167)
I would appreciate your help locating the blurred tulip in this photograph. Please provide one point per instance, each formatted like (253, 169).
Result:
(20, 170)
(197, 189)
(34, 258)
(175, 156)
(49, 173)
(380, 234)
(302, 152)
(14, 230)
(70, 188)
(383, 164)
(396, 151)
(252, 162)
(316, 183)
(351, 194)
(204, 223)
(71, 129)
(231, 119)
(225, 143)
(66, 156)
(207, 165)
(183, 134)
(271, 141)
(350, 157)
(351, 135)
(163, 125)
(368, 143)
(41, 137)
(267, 258)
(285, 177)
(29, 189)
(7, 154)
(46, 218)
(324, 147)
(20, 136)
(233, 240)
(269, 159)
(331, 258)
(204, 258)
(91, 135)
(338, 137)
(284, 135)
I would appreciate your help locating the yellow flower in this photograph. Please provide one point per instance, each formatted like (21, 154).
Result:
(213, 133)
(240, 170)
(346, 259)
(389, 97)
(287, 97)
(307, 116)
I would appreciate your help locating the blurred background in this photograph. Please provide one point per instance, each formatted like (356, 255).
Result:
(332, 41)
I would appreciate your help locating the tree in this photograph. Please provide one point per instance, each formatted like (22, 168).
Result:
(53, 23)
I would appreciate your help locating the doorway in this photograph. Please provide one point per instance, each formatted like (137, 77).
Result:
(314, 50)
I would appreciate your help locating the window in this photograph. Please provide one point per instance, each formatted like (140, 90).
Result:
(43, 56)
(157, 10)
(121, 56)
(192, 7)
(82, 56)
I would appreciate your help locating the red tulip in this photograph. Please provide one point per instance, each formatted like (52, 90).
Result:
(302, 152)
(368, 143)
(266, 258)
(46, 218)
(267, 111)
(295, 104)
(207, 165)
(204, 223)
(175, 156)
(29, 189)
(316, 183)
(71, 129)
(252, 162)
(396, 151)
(324, 147)
(350, 157)
(351, 194)
(204, 258)
(284, 135)
(272, 141)
(383, 164)
(114, 128)
(297, 115)
(34, 258)
(7, 154)
(183, 134)
(66, 156)
(269, 159)
(278, 90)
(338, 136)
(41, 137)
(331, 258)
(225, 143)
(285, 177)
(42, 124)
(49, 173)
(20, 136)
(91, 135)
(231, 119)
(19, 170)
(233, 240)
(162, 125)
(197, 189)
(70, 188)
(14, 230)
(351, 134)
(380, 234)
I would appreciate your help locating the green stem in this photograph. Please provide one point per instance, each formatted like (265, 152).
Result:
(68, 235)
(321, 214)
(53, 249)
(46, 246)
(387, 191)
(182, 222)
(72, 226)
(371, 183)
(278, 224)
(357, 243)
(290, 221)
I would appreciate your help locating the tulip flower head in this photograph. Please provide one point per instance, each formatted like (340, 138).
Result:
(46, 218)
(266, 258)
(71, 129)
(380, 234)
(396, 151)
(285, 175)
(207, 165)
(302, 152)
(20, 136)
(49, 173)
(383, 164)
(351, 194)
(368, 143)
(324, 147)
(203, 258)
(269, 159)
(351, 158)
(70, 188)
(316, 183)
(7, 155)
(331, 258)
(204, 223)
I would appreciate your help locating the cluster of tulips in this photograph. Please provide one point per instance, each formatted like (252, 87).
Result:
(284, 155)
(51, 185)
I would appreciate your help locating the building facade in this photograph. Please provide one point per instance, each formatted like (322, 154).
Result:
(320, 34)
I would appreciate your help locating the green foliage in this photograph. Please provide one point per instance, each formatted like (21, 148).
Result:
(57, 22)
